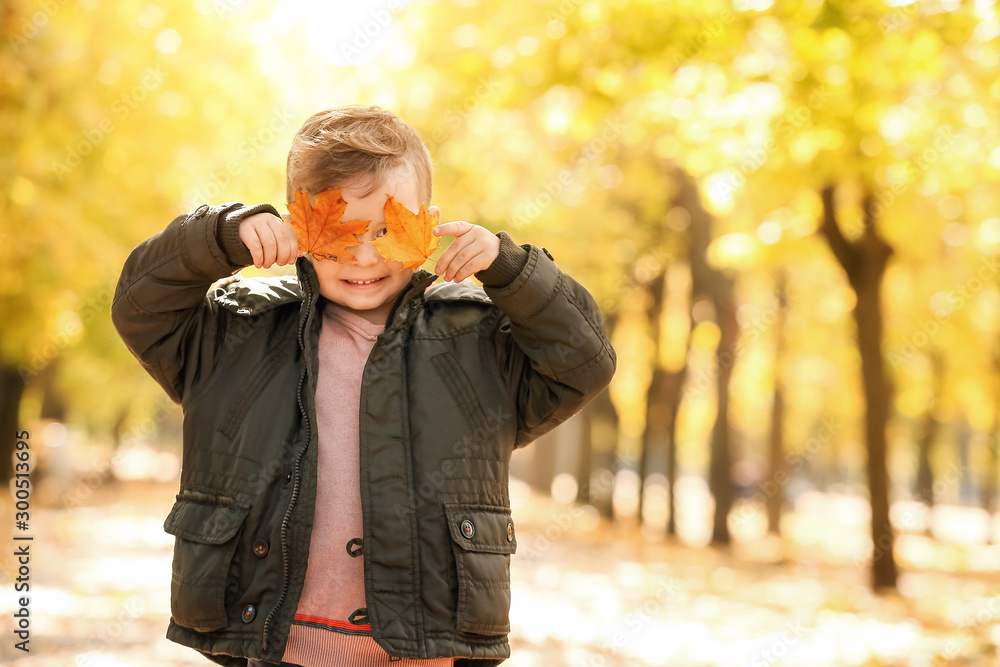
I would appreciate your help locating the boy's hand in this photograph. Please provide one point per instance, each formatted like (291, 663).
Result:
(473, 249)
(269, 240)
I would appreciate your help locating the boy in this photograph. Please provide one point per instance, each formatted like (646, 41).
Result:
(343, 496)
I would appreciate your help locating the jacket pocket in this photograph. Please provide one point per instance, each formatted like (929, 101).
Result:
(482, 538)
(206, 529)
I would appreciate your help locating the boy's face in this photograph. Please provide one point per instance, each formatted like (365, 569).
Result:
(339, 281)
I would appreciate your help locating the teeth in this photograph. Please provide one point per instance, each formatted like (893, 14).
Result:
(363, 282)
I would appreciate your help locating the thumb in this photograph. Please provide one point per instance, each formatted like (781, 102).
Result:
(286, 218)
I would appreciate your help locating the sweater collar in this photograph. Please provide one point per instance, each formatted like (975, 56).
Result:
(358, 324)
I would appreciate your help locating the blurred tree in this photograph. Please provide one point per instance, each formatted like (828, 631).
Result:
(601, 447)
(716, 287)
(867, 140)
(547, 97)
(659, 450)
(777, 468)
(864, 262)
(988, 498)
(557, 123)
(924, 485)
(84, 178)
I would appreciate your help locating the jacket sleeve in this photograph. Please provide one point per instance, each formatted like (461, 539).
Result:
(161, 308)
(553, 353)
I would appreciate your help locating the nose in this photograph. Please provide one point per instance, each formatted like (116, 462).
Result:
(365, 254)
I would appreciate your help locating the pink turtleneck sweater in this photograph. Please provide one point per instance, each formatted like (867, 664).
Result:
(321, 635)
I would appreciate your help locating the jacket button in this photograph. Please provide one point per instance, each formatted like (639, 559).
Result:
(202, 210)
(510, 532)
(548, 254)
(249, 612)
(468, 530)
(260, 548)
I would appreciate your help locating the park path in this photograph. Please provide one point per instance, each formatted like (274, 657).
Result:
(584, 595)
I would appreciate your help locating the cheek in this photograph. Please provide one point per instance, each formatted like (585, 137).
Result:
(328, 269)
(328, 275)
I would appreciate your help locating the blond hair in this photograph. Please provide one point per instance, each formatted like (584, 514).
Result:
(354, 145)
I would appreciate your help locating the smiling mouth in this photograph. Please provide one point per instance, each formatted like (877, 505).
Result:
(364, 282)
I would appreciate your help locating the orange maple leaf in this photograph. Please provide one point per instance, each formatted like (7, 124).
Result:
(320, 230)
(408, 237)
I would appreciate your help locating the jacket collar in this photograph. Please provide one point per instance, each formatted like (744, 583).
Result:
(406, 302)
(410, 299)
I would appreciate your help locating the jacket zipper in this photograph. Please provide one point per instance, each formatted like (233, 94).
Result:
(296, 479)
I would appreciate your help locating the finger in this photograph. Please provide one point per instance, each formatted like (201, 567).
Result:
(281, 254)
(476, 263)
(249, 237)
(255, 252)
(454, 228)
(291, 245)
(460, 259)
(460, 243)
(287, 219)
(446, 258)
(268, 245)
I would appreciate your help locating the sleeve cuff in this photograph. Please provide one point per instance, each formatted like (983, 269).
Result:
(228, 232)
(507, 266)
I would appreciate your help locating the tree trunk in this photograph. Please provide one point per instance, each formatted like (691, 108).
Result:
(989, 492)
(924, 486)
(659, 438)
(677, 380)
(963, 442)
(659, 449)
(869, 322)
(713, 284)
(720, 470)
(11, 389)
(989, 489)
(778, 475)
(602, 422)
(53, 405)
(652, 457)
(584, 462)
(776, 445)
(601, 429)
(659, 446)
(543, 464)
(864, 261)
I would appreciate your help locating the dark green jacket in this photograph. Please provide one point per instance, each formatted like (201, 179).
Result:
(461, 377)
